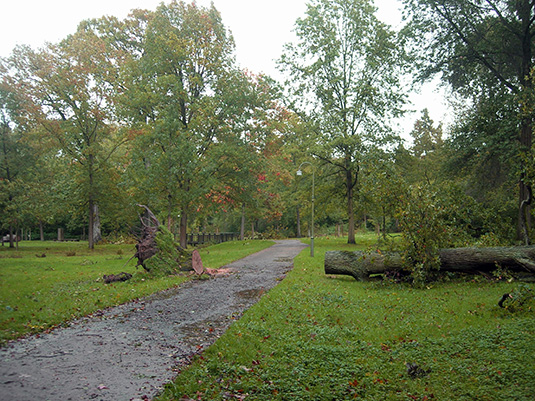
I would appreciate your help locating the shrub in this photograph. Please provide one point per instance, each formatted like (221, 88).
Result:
(424, 232)
(170, 258)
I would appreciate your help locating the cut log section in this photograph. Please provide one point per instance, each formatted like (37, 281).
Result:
(113, 278)
(361, 265)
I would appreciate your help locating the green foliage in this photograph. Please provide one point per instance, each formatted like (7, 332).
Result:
(170, 258)
(66, 94)
(521, 299)
(344, 75)
(483, 154)
(152, 109)
(315, 337)
(424, 232)
(468, 42)
(426, 137)
(178, 83)
(438, 216)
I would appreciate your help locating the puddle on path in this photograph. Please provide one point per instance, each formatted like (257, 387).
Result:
(254, 293)
(285, 260)
(205, 333)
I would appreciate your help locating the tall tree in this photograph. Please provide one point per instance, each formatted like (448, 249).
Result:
(345, 74)
(179, 87)
(427, 149)
(67, 95)
(426, 137)
(255, 162)
(10, 163)
(482, 47)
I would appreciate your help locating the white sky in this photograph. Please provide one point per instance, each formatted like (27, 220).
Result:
(260, 29)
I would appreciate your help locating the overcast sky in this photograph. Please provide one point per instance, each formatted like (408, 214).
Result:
(260, 29)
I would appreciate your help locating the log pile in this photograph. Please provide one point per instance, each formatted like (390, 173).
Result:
(361, 265)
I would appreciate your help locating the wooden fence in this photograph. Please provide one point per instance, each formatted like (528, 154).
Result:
(204, 238)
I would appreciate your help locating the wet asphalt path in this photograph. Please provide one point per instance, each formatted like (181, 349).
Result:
(129, 352)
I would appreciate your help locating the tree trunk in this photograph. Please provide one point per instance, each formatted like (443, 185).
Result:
(361, 265)
(524, 11)
(298, 222)
(350, 211)
(11, 243)
(242, 224)
(91, 226)
(169, 213)
(525, 191)
(97, 234)
(146, 246)
(183, 230)
(41, 231)
(91, 204)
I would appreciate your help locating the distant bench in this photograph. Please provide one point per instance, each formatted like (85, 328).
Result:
(7, 238)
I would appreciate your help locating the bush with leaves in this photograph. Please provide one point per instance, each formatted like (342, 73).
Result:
(521, 299)
(170, 258)
(424, 232)
(442, 215)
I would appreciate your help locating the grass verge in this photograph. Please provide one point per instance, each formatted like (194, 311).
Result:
(315, 337)
(45, 284)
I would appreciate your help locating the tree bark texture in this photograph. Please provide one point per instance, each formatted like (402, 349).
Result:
(350, 212)
(183, 229)
(146, 246)
(361, 265)
(97, 233)
(242, 223)
(41, 231)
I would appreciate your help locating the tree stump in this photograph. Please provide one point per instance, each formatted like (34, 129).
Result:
(146, 246)
(156, 250)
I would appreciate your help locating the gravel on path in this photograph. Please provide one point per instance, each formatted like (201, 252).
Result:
(130, 351)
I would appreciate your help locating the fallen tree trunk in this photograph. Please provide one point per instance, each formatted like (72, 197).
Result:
(113, 278)
(361, 265)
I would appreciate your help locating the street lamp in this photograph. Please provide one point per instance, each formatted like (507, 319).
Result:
(299, 173)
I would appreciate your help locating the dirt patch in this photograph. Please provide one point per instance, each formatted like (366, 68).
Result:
(131, 351)
(253, 294)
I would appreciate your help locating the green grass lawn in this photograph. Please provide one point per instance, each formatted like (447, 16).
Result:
(45, 284)
(315, 337)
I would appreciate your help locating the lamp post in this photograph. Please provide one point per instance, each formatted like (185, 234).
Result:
(299, 172)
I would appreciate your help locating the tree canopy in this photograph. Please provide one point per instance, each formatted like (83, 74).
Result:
(153, 109)
(345, 73)
(485, 50)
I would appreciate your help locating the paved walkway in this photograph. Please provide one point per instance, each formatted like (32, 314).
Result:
(129, 352)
